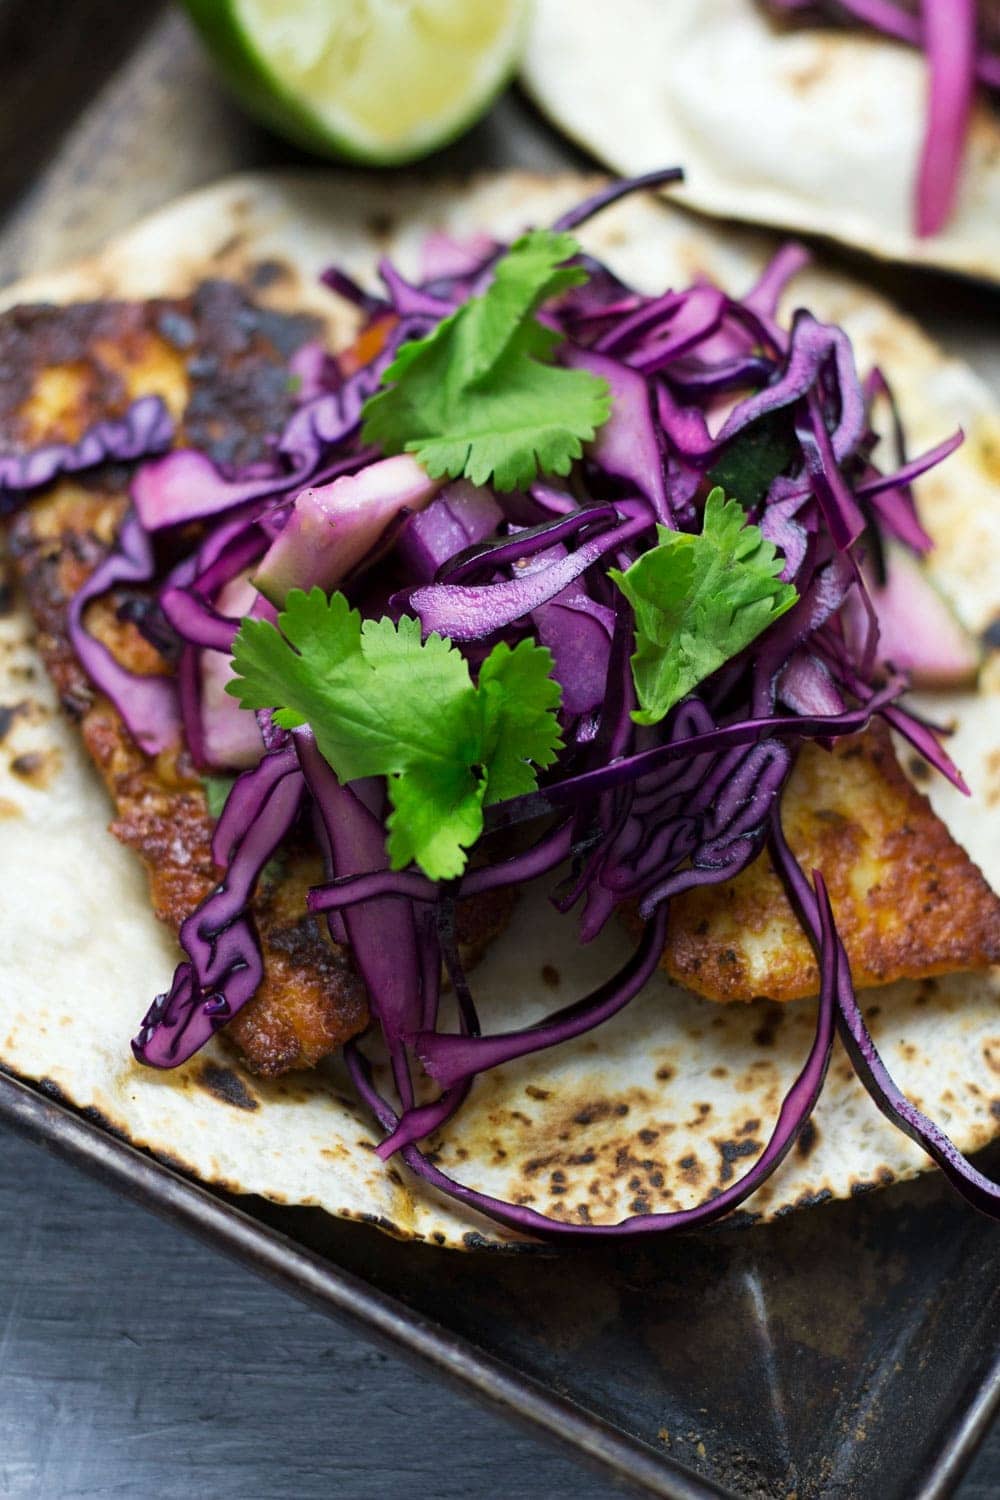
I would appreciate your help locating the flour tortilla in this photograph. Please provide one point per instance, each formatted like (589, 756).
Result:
(677, 1094)
(813, 129)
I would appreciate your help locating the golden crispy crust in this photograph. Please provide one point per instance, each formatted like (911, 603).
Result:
(218, 360)
(908, 900)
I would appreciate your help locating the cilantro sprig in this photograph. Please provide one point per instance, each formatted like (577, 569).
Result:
(698, 600)
(383, 702)
(480, 396)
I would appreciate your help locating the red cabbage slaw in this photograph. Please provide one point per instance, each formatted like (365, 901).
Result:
(707, 388)
(959, 53)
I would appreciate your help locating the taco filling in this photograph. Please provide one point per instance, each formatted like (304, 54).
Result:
(541, 578)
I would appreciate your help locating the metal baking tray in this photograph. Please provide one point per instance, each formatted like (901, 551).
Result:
(849, 1350)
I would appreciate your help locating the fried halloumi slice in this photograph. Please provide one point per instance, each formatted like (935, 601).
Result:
(908, 900)
(221, 365)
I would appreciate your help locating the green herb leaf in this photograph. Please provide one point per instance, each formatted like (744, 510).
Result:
(479, 395)
(753, 459)
(383, 702)
(217, 789)
(698, 600)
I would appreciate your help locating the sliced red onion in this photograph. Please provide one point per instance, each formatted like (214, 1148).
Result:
(805, 686)
(333, 527)
(461, 515)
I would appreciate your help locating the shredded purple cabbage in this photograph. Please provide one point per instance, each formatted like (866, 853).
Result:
(706, 389)
(145, 428)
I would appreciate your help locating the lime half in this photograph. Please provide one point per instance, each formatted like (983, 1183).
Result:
(380, 81)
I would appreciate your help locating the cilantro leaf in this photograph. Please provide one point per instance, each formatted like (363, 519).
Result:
(479, 395)
(383, 702)
(518, 698)
(698, 600)
(216, 789)
(752, 460)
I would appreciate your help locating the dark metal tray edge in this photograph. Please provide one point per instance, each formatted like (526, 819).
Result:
(342, 1295)
(198, 1210)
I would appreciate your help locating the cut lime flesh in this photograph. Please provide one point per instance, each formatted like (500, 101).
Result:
(381, 81)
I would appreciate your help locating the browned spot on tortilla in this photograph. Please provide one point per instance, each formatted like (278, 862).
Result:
(991, 790)
(37, 767)
(918, 768)
(808, 1137)
(267, 273)
(9, 809)
(803, 79)
(732, 1152)
(6, 591)
(226, 1085)
(8, 713)
(381, 227)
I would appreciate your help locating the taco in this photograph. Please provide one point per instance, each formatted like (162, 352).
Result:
(376, 1008)
(825, 118)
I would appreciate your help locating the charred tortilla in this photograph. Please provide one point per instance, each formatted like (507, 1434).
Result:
(660, 1106)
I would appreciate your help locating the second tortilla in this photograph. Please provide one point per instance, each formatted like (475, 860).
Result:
(815, 130)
